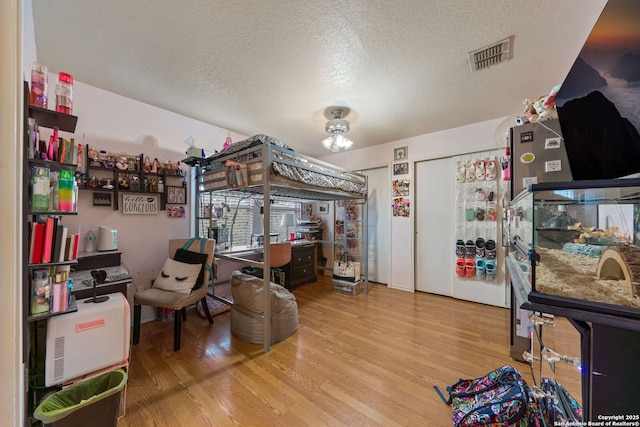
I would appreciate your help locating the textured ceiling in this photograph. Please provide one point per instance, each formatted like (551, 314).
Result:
(274, 67)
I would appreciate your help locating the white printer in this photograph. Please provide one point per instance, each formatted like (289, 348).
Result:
(93, 338)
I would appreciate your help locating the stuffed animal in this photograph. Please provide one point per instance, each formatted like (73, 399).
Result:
(530, 114)
(550, 100)
(541, 108)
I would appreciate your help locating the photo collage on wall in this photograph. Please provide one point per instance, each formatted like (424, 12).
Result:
(401, 203)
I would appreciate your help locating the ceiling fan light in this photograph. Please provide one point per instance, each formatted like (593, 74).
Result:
(337, 127)
(337, 142)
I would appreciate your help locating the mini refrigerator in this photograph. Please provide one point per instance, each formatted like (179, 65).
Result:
(94, 337)
(538, 154)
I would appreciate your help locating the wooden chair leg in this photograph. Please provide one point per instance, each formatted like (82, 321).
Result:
(177, 328)
(205, 307)
(137, 309)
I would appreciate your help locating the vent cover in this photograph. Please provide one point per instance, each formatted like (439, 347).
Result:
(491, 55)
(58, 358)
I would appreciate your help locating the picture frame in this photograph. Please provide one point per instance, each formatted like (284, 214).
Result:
(307, 210)
(323, 208)
(101, 199)
(176, 195)
(175, 212)
(400, 153)
(401, 168)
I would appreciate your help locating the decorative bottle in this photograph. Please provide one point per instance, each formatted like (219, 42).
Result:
(91, 242)
(64, 90)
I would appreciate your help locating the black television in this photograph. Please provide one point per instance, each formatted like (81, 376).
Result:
(599, 101)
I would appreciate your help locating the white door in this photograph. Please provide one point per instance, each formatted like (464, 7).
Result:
(379, 223)
(434, 221)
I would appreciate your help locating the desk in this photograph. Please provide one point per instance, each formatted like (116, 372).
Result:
(107, 261)
(83, 283)
(301, 269)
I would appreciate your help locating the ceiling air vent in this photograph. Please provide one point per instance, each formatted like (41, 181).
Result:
(491, 55)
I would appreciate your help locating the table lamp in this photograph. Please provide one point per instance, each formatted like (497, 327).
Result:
(287, 221)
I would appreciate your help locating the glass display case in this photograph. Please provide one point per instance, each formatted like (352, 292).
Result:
(577, 245)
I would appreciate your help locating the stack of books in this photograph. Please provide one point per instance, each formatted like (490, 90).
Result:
(51, 242)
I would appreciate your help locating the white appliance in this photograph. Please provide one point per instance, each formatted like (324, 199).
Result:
(107, 238)
(93, 338)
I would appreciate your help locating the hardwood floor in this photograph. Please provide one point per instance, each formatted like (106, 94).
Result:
(367, 360)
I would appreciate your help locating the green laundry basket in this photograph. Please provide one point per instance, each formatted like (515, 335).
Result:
(94, 402)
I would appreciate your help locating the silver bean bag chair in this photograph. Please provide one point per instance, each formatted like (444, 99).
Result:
(247, 297)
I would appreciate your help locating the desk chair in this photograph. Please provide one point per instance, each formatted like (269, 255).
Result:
(177, 301)
(280, 256)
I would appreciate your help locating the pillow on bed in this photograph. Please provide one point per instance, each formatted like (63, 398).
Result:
(177, 276)
(190, 257)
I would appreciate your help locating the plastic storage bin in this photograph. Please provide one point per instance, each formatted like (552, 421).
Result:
(96, 399)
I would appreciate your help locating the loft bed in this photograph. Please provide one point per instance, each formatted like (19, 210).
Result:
(264, 166)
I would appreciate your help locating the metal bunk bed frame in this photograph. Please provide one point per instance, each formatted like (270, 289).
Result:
(280, 189)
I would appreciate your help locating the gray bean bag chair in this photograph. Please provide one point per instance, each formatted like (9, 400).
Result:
(247, 297)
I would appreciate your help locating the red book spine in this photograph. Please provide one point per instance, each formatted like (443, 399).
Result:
(48, 240)
(38, 243)
(76, 245)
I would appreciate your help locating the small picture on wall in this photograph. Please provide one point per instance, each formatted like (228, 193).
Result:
(400, 153)
(175, 212)
(401, 168)
(176, 195)
(323, 208)
(307, 210)
(401, 206)
(400, 187)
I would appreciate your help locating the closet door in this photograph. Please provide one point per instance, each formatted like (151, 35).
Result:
(434, 220)
(379, 223)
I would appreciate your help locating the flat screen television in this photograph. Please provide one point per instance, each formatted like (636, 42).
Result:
(599, 102)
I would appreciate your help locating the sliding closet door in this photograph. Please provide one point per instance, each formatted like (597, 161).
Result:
(379, 223)
(434, 245)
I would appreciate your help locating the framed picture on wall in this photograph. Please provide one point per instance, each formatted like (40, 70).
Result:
(400, 153)
(401, 168)
(323, 208)
(307, 210)
(176, 195)
(101, 199)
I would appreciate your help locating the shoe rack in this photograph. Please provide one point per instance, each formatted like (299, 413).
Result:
(480, 190)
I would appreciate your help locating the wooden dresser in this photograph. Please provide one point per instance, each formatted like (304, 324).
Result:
(302, 267)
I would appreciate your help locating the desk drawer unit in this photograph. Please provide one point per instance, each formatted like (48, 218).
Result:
(301, 269)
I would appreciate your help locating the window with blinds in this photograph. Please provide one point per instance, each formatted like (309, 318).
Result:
(241, 216)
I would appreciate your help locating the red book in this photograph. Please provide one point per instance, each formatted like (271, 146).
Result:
(49, 226)
(76, 245)
(37, 242)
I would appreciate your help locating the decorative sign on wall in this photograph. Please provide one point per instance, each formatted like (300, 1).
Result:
(176, 195)
(140, 204)
(101, 199)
